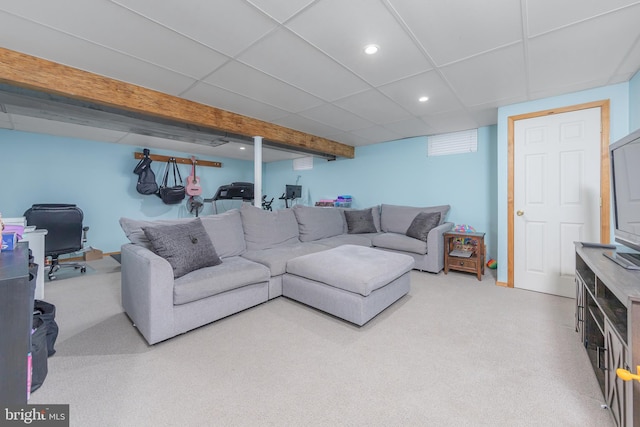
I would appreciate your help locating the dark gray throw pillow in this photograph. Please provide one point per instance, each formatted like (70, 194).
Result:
(422, 224)
(186, 246)
(360, 221)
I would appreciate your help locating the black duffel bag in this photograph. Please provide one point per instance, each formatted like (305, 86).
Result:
(47, 313)
(175, 194)
(39, 365)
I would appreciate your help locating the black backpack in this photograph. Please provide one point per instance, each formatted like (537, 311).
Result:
(146, 178)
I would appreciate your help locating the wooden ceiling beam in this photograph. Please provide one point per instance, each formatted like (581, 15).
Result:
(29, 72)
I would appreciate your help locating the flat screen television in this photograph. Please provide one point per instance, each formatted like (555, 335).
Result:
(625, 185)
(293, 191)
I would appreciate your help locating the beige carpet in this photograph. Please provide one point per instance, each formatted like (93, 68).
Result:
(454, 352)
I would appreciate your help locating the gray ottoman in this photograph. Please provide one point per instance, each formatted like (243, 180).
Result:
(352, 282)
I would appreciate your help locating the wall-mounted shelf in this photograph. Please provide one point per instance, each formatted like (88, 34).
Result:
(182, 160)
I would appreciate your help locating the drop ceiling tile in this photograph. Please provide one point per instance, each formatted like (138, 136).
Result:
(43, 42)
(373, 106)
(336, 117)
(342, 29)
(226, 26)
(450, 122)
(407, 91)
(491, 77)
(566, 12)
(251, 83)
(220, 98)
(303, 124)
(588, 52)
(410, 127)
(453, 30)
(159, 46)
(377, 134)
(69, 130)
(313, 71)
(281, 10)
(485, 116)
(350, 139)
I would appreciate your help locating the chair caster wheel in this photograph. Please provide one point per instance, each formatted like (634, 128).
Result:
(52, 277)
(83, 269)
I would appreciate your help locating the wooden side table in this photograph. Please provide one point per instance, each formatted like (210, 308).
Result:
(464, 252)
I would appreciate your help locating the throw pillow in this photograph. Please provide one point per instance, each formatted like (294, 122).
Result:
(360, 221)
(422, 224)
(186, 246)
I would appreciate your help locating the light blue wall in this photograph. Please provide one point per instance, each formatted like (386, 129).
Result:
(619, 126)
(399, 172)
(96, 176)
(634, 103)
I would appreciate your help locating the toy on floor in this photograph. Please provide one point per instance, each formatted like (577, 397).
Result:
(492, 264)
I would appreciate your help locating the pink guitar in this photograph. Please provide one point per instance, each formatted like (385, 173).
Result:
(193, 182)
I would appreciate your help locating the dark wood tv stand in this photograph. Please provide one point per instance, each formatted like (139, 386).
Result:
(608, 324)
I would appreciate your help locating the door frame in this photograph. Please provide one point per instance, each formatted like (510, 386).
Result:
(605, 211)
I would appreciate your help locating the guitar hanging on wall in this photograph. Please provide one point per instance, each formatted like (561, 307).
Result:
(193, 182)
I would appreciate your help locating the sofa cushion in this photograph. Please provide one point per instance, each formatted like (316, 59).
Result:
(187, 247)
(360, 221)
(233, 273)
(422, 224)
(347, 239)
(397, 219)
(399, 242)
(359, 270)
(224, 230)
(265, 229)
(133, 228)
(318, 222)
(226, 233)
(276, 258)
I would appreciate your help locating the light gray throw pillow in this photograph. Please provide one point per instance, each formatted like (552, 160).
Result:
(186, 246)
(422, 224)
(360, 221)
(397, 219)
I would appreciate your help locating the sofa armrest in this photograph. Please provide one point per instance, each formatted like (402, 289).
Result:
(435, 242)
(147, 292)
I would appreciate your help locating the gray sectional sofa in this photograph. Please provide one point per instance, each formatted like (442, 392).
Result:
(237, 259)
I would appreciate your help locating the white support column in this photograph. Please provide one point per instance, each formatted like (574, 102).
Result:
(257, 171)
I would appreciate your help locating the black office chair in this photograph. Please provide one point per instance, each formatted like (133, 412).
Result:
(65, 234)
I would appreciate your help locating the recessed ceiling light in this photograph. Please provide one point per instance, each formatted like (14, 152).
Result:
(423, 99)
(243, 148)
(371, 49)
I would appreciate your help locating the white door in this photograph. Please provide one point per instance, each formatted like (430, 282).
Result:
(556, 197)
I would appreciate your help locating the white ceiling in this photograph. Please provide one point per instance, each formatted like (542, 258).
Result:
(300, 63)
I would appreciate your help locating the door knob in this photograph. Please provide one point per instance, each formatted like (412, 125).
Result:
(520, 213)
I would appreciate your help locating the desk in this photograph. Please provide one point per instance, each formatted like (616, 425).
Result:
(36, 244)
(16, 312)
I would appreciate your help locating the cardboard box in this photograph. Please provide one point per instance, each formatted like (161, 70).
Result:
(92, 254)
(9, 240)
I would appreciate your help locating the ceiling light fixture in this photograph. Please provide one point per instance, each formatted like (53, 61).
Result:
(423, 99)
(371, 49)
(243, 148)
